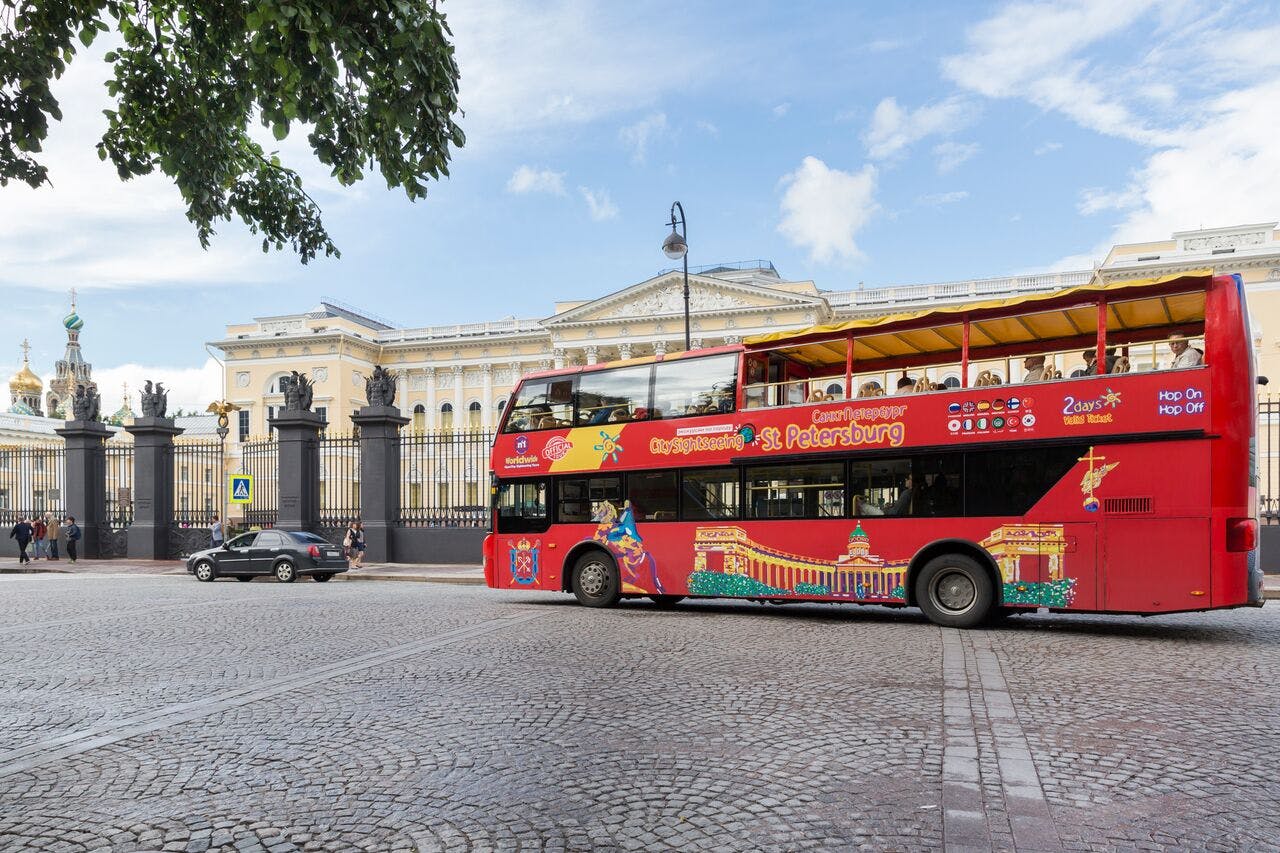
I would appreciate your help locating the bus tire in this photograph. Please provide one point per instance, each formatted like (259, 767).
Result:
(955, 591)
(595, 580)
(665, 602)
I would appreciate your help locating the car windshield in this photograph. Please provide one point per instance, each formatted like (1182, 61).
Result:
(309, 539)
(244, 540)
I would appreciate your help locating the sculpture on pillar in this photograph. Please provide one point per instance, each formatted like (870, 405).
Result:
(85, 404)
(298, 393)
(380, 388)
(154, 402)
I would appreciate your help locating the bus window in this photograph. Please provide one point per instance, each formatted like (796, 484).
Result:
(694, 386)
(613, 396)
(796, 491)
(1009, 482)
(710, 494)
(653, 495)
(542, 404)
(938, 479)
(579, 497)
(522, 506)
(878, 486)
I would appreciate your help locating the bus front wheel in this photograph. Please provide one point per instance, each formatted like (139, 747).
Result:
(595, 580)
(955, 591)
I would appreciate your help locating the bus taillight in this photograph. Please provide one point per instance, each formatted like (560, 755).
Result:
(1242, 534)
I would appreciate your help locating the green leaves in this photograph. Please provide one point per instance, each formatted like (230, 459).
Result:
(374, 82)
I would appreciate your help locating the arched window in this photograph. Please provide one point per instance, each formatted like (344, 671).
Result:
(276, 384)
(446, 416)
(835, 389)
(473, 414)
(951, 381)
(419, 418)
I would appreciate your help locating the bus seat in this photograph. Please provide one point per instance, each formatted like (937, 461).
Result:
(1122, 365)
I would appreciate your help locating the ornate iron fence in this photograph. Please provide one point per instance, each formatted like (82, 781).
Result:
(339, 479)
(32, 483)
(444, 478)
(261, 460)
(1266, 454)
(197, 483)
(119, 485)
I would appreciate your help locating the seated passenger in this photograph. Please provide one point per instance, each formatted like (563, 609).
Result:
(901, 504)
(906, 385)
(1034, 365)
(1184, 355)
(1091, 361)
(862, 506)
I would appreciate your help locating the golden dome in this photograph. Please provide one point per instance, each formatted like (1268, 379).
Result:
(24, 381)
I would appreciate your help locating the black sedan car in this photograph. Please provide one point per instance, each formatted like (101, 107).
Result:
(285, 554)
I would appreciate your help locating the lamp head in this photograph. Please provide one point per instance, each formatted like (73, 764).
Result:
(674, 246)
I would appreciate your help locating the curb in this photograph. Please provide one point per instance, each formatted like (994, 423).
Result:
(1271, 595)
(35, 572)
(460, 581)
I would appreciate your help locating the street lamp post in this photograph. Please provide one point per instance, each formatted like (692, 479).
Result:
(677, 246)
(223, 409)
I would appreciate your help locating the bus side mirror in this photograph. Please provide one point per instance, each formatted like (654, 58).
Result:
(1262, 380)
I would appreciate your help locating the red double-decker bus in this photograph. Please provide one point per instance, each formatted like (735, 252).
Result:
(1085, 450)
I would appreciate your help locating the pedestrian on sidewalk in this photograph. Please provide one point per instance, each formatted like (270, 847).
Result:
(349, 541)
(39, 531)
(73, 537)
(54, 529)
(215, 532)
(359, 543)
(22, 531)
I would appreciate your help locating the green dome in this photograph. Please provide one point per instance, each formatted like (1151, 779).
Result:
(72, 322)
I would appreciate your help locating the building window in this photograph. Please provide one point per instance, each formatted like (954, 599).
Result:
(184, 475)
(243, 415)
(473, 415)
(419, 418)
(323, 412)
(446, 416)
(208, 476)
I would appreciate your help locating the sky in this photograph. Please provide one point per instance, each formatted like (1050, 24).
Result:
(854, 144)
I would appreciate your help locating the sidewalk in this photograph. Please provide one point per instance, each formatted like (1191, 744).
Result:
(431, 573)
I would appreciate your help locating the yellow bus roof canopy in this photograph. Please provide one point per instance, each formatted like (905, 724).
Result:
(1130, 306)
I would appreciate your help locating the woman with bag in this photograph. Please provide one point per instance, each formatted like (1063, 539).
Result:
(349, 541)
(358, 541)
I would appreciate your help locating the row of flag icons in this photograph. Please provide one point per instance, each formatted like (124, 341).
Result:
(970, 407)
(996, 422)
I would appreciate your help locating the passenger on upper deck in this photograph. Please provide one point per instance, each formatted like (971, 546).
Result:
(1034, 365)
(906, 385)
(1184, 354)
(1091, 361)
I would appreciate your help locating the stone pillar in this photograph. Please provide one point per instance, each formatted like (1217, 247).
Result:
(624, 351)
(152, 487)
(298, 439)
(459, 411)
(433, 417)
(593, 354)
(379, 428)
(659, 347)
(558, 353)
(486, 397)
(86, 481)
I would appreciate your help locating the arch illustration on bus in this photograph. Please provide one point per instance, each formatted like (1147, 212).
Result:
(1082, 450)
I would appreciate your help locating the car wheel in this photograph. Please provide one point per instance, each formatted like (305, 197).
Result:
(666, 601)
(322, 577)
(595, 580)
(244, 578)
(954, 591)
(285, 572)
(204, 571)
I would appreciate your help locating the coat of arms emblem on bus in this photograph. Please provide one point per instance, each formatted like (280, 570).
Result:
(618, 533)
(525, 562)
(728, 562)
(1092, 478)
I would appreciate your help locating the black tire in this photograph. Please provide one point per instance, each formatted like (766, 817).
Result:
(666, 601)
(205, 571)
(286, 572)
(244, 578)
(955, 591)
(595, 580)
(321, 577)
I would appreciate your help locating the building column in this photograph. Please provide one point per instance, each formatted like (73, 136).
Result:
(624, 351)
(431, 421)
(695, 343)
(379, 428)
(733, 339)
(558, 354)
(659, 347)
(86, 480)
(152, 487)
(593, 354)
(486, 397)
(298, 440)
(459, 414)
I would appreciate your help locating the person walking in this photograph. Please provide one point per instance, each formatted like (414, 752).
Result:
(22, 531)
(39, 531)
(349, 541)
(73, 537)
(54, 528)
(215, 533)
(359, 543)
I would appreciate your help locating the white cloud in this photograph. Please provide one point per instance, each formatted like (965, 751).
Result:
(190, 388)
(527, 179)
(599, 205)
(639, 136)
(952, 154)
(893, 129)
(782, 109)
(708, 128)
(940, 199)
(823, 208)
(1047, 148)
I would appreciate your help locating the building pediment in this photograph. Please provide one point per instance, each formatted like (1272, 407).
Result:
(664, 296)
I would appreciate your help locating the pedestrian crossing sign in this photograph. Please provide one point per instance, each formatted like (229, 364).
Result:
(241, 488)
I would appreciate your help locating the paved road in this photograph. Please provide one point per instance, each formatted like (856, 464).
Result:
(147, 713)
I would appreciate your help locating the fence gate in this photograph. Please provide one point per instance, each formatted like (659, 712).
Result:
(444, 478)
(339, 497)
(261, 460)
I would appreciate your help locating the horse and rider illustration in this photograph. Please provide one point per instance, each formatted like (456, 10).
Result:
(617, 532)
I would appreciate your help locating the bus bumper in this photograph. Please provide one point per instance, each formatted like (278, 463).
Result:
(489, 562)
(1255, 598)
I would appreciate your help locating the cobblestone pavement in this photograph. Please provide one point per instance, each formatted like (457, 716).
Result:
(156, 713)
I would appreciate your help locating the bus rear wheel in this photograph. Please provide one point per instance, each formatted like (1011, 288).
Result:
(953, 590)
(595, 580)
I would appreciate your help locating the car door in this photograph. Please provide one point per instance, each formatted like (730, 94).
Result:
(235, 557)
(270, 545)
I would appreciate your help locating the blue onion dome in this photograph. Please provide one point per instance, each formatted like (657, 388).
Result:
(72, 322)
